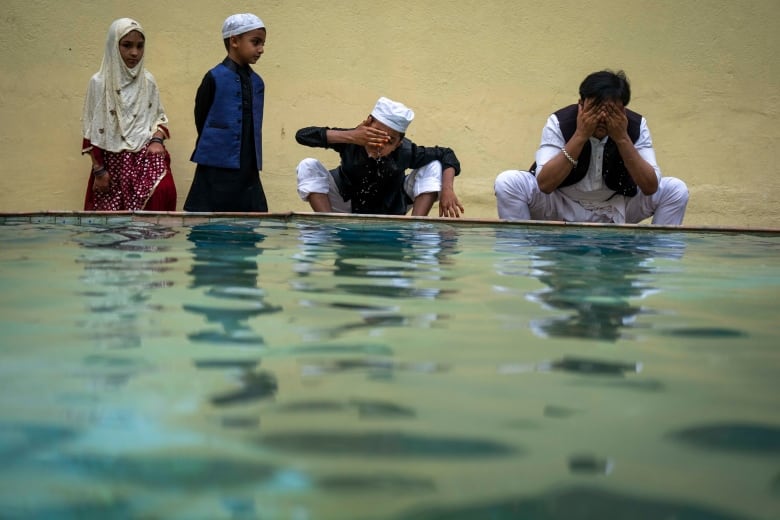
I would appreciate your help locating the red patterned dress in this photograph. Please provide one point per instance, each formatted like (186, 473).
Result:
(139, 181)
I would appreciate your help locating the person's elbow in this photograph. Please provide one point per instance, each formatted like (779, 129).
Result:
(545, 186)
(650, 186)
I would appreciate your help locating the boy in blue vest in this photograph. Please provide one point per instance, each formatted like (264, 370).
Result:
(229, 119)
(596, 163)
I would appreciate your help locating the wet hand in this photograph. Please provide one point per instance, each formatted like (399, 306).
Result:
(615, 120)
(371, 137)
(156, 148)
(102, 183)
(589, 114)
(449, 205)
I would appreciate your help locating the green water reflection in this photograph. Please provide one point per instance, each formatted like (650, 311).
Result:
(383, 370)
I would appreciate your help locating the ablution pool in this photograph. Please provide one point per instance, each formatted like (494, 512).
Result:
(313, 367)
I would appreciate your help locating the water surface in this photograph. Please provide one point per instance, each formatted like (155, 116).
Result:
(341, 369)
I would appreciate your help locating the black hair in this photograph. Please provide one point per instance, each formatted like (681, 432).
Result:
(606, 85)
(226, 41)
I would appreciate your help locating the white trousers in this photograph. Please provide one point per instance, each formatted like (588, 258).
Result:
(518, 197)
(313, 177)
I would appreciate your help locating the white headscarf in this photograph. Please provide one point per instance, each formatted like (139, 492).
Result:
(122, 108)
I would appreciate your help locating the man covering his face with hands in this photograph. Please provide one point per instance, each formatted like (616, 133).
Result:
(596, 163)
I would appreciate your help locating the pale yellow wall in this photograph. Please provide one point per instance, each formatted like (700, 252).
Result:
(481, 75)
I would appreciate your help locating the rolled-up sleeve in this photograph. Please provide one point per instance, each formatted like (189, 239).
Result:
(552, 142)
(314, 136)
(644, 145)
(422, 155)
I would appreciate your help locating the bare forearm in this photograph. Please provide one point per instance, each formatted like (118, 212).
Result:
(449, 205)
(340, 136)
(640, 170)
(448, 179)
(559, 167)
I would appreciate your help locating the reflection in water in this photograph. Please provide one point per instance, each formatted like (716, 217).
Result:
(366, 409)
(205, 429)
(590, 464)
(193, 472)
(375, 365)
(576, 503)
(118, 278)
(577, 365)
(19, 441)
(372, 483)
(254, 386)
(595, 367)
(387, 444)
(756, 438)
(592, 276)
(705, 332)
(225, 263)
(123, 263)
(395, 263)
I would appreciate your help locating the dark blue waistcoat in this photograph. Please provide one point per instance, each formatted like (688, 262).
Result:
(219, 144)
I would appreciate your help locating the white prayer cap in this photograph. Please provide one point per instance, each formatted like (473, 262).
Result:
(240, 23)
(392, 113)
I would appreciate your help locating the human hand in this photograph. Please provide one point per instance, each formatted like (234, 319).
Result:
(102, 183)
(588, 115)
(615, 120)
(366, 135)
(156, 148)
(449, 205)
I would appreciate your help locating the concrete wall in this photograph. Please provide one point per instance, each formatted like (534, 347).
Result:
(481, 75)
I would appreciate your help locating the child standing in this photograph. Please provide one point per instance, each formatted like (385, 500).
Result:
(124, 126)
(229, 120)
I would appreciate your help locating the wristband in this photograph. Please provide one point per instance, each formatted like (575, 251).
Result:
(569, 158)
(156, 140)
(99, 172)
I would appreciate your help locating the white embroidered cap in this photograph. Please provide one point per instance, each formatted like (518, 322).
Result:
(392, 113)
(240, 23)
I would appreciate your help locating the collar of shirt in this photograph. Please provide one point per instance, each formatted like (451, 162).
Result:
(235, 67)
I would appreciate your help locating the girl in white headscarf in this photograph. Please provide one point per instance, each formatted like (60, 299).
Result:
(124, 127)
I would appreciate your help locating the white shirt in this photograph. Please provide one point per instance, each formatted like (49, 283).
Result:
(591, 190)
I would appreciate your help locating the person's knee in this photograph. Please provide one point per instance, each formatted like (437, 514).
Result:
(433, 168)
(503, 181)
(312, 178)
(675, 190)
(430, 175)
(309, 167)
(426, 179)
(511, 181)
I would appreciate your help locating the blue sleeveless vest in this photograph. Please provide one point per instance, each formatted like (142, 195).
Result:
(219, 144)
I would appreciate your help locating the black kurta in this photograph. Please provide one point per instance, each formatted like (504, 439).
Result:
(376, 186)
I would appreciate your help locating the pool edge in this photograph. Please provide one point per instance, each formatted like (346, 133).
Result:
(181, 218)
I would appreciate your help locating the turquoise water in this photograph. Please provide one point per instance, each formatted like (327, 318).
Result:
(338, 369)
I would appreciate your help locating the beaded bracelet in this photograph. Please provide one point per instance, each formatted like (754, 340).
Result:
(571, 159)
